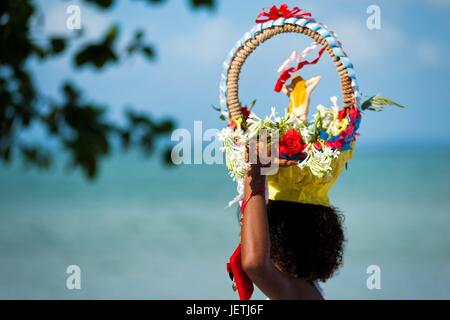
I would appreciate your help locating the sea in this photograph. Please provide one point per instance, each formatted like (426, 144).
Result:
(142, 230)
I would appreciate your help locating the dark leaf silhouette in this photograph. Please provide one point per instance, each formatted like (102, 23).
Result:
(103, 4)
(36, 156)
(202, 3)
(79, 125)
(148, 52)
(137, 45)
(57, 45)
(99, 54)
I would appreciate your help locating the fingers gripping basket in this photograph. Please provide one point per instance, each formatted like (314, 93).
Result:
(229, 86)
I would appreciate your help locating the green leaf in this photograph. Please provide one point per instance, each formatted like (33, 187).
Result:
(111, 34)
(216, 108)
(251, 105)
(378, 103)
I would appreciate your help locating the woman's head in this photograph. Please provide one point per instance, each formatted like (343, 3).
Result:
(306, 240)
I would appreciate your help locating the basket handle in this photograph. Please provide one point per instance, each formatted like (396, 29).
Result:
(232, 84)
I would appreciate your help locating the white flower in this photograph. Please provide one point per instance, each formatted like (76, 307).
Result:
(335, 106)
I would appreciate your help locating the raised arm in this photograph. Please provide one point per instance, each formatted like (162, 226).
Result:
(255, 247)
(312, 83)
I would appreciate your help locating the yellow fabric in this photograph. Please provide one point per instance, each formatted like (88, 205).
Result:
(298, 93)
(301, 185)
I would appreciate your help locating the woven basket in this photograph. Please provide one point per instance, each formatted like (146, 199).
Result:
(229, 87)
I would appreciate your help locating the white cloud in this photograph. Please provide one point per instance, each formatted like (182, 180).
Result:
(430, 53)
(367, 45)
(204, 45)
(439, 3)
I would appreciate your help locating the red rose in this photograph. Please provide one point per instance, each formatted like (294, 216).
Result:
(291, 143)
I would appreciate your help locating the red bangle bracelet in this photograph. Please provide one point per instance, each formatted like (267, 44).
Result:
(254, 193)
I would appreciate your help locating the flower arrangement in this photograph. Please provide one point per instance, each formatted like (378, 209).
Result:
(313, 145)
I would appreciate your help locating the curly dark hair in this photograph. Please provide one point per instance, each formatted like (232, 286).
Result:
(306, 240)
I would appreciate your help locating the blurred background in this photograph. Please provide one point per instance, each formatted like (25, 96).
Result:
(86, 116)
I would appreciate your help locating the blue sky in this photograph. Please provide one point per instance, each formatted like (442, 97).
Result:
(406, 60)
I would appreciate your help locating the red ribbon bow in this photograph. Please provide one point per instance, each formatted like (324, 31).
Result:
(282, 12)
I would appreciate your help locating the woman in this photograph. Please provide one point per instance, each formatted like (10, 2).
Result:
(295, 239)
(286, 247)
